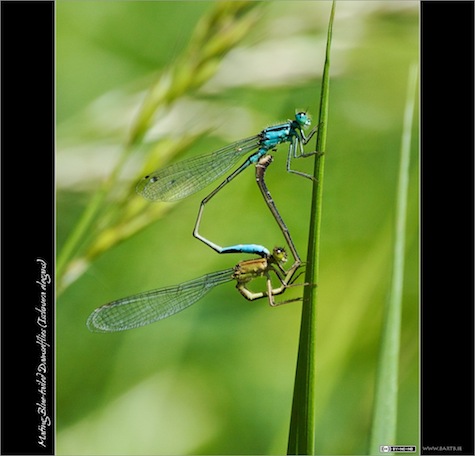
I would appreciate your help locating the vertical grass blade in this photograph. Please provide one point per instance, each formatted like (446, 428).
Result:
(302, 421)
(384, 425)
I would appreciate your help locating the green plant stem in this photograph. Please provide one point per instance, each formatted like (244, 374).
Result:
(81, 228)
(302, 424)
(384, 425)
(216, 34)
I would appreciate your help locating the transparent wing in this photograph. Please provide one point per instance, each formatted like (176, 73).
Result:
(184, 178)
(148, 307)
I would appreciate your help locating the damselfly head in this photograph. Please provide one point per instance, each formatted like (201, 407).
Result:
(279, 254)
(303, 119)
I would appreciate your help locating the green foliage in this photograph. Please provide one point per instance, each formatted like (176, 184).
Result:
(302, 424)
(215, 35)
(218, 378)
(384, 427)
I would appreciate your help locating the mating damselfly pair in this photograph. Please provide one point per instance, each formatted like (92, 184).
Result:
(184, 178)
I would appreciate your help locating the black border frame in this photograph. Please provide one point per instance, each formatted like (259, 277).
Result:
(447, 222)
(27, 230)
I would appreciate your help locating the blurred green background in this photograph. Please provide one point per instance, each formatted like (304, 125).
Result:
(218, 378)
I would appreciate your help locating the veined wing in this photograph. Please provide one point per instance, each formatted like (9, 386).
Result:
(186, 177)
(150, 306)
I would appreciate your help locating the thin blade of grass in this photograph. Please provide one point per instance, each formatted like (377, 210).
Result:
(384, 425)
(302, 422)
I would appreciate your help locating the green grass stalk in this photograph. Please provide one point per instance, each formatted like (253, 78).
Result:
(302, 423)
(215, 35)
(384, 426)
